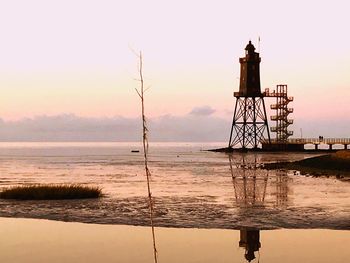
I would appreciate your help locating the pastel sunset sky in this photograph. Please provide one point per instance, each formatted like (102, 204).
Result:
(74, 56)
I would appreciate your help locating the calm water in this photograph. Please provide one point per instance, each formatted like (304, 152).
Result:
(192, 188)
(33, 241)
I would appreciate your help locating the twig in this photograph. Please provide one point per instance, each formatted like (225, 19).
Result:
(145, 152)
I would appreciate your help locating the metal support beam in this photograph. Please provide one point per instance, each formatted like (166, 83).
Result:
(249, 123)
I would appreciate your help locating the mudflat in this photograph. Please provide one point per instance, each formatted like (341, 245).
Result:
(337, 164)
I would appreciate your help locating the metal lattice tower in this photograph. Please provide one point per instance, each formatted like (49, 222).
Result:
(282, 112)
(249, 123)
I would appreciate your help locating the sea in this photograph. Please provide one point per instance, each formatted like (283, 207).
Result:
(191, 187)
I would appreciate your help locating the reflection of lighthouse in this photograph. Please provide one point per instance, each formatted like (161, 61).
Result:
(249, 182)
(282, 188)
(250, 185)
(250, 240)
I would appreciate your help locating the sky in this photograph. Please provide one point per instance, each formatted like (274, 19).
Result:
(74, 59)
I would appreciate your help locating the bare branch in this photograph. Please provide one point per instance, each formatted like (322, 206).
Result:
(145, 151)
(138, 93)
(133, 50)
(147, 88)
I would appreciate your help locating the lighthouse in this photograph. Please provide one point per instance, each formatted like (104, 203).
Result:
(249, 124)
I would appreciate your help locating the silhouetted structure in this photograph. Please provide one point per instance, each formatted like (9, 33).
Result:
(297, 144)
(250, 124)
(282, 121)
(250, 240)
(249, 119)
(282, 112)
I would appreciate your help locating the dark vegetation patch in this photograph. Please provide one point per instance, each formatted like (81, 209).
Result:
(337, 164)
(50, 192)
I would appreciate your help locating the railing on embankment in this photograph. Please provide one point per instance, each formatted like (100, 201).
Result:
(343, 141)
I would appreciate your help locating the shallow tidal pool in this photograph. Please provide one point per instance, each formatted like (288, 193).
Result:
(33, 240)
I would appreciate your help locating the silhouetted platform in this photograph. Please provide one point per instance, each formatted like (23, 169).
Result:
(282, 148)
(299, 143)
(293, 145)
(288, 147)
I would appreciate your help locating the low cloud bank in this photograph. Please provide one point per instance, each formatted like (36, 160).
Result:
(202, 111)
(199, 125)
(68, 127)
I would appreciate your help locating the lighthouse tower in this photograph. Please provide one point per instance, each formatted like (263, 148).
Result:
(249, 123)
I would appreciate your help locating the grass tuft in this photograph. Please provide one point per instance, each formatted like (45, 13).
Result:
(50, 192)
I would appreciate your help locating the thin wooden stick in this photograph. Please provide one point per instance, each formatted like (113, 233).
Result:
(145, 153)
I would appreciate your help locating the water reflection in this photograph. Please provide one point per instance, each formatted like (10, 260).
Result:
(32, 241)
(282, 189)
(249, 182)
(250, 240)
(250, 187)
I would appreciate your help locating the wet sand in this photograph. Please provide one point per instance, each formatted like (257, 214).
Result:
(32, 240)
(336, 164)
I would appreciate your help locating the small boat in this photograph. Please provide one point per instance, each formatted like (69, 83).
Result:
(135, 151)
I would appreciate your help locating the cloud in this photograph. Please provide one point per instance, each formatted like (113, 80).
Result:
(186, 128)
(189, 128)
(202, 111)
(69, 127)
